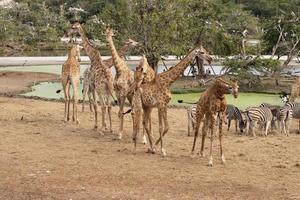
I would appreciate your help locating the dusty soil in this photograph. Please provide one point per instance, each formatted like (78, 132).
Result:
(12, 83)
(41, 157)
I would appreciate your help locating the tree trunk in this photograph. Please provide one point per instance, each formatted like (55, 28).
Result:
(153, 62)
(200, 66)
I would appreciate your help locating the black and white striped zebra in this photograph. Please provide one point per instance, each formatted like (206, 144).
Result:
(191, 113)
(258, 115)
(283, 117)
(274, 109)
(295, 107)
(233, 113)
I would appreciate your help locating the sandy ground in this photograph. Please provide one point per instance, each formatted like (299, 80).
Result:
(12, 83)
(41, 157)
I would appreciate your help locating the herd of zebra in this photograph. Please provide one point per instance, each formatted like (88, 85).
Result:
(265, 116)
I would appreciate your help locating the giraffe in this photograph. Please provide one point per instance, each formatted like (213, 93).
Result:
(156, 93)
(295, 90)
(143, 74)
(211, 104)
(101, 79)
(129, 44)
(123, 80)
(70, 76)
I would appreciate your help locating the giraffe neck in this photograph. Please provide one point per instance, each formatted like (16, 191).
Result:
(220, 90)
(88, 47)
(175, 72)
(118, 61)
(121, 51)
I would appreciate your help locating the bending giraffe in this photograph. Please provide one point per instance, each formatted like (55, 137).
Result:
(101, 80)
(129, 44)
(123, 80)
(70, 77)
(157, 94)
(211, 104)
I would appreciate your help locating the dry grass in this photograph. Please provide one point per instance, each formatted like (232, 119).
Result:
(43, 158)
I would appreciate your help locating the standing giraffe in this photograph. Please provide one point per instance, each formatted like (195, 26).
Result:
(123, 80)
(143, 74)
(157, 94)
(129, 44)
(70, 76)
(211, 104)
(101, 79)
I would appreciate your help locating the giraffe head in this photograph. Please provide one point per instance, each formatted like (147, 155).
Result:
(131, 43)
(74, 29)
(141, 71)
(229, 87)
(202, 53)
(109, 32)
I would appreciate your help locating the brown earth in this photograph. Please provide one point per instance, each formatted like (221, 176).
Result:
(41, 157)
(12, 83)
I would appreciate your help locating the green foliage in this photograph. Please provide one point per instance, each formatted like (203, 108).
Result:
(249, 69)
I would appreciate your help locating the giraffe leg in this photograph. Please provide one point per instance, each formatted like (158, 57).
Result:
(136, 118)
(165, 125)
(103, 112)
(75, 98)
(65, 89)
(197, 122)
(84, 92)
(144, 140)
(147, 113)
(161, 129)
(211, 127)
(109, 114)
(69, 101)
(220, 139)
(121, 101)
(95, 108)
(204, 132)
(90, 100)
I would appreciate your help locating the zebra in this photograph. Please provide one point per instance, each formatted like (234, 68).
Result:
(274, 109)
(295, 107)
(86, 89)
(283, 117)
(262, 115)
(233, 113)
(191, 114)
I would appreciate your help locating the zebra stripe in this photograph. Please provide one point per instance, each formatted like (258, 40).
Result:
(261, 115)
(233, 113)
(284, 116)
(191, 113)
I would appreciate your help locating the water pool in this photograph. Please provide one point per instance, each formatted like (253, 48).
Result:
(48, 90)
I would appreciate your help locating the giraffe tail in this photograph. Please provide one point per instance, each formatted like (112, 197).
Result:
(128, 111)
(181, 101)
(58, 91)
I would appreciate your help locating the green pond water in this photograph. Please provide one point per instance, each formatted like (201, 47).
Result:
(48, 90)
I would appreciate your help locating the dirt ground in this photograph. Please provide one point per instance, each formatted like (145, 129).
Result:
(41, 157)
(12, 83)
